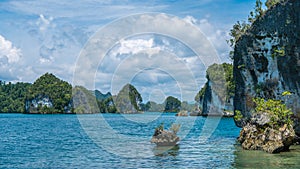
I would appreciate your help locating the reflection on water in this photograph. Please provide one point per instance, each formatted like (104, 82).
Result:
(260, 159)
(163, 151)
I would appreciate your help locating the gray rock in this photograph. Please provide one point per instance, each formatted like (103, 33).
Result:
(253, 137)
(259, 71)
(260, 119)
(165, 138)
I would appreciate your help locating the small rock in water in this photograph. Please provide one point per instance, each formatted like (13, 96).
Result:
(163, 137)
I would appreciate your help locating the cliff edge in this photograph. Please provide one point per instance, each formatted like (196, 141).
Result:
(267, 62)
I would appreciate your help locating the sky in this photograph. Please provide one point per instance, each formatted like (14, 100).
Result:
(104, 44)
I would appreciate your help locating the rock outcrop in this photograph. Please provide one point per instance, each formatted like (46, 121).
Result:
(216, 96)
(182, 113)
(49, 94)
(128, 100)
(257, 136)
(163, 137)
(267, 60)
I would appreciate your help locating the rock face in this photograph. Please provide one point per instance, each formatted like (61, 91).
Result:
(33, 105)
(128, 100)
(256, 137)
(216, 97)
(163, 137)
(267, 60)
(101, 96)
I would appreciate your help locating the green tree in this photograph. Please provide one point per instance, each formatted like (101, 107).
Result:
(240, 28)
(270, 3)
(49, 86)
(278, 112)
(219, 75)
(155, 107)
(12, 97)
(107, 105)
(172, 104)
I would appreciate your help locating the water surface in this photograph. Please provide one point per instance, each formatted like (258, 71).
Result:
(60, 141)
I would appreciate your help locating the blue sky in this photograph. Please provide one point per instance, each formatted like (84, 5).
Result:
(45, 36)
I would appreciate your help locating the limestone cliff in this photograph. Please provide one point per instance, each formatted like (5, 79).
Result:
(216, 96)
(267, 61)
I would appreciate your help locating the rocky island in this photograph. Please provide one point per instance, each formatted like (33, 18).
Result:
(266, 72)
(163, 137)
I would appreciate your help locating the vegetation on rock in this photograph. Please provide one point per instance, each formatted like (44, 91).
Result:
(48, 86)
(107, 105)
(264, 66)
(12, 97)
(154, 107)
(84, 101)
(128, 100)
(163, 137)
(172, 104)
(241, 27)
(238, 115)
(219, 74)
(220, 81)
(49, 94)
(277, 111)
(270, 128)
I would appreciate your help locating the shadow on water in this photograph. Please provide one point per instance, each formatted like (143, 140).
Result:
(163, 151)
(254, 159)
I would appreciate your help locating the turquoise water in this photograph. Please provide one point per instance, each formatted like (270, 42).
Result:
(85, 141)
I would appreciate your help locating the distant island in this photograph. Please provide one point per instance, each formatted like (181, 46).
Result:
(260, 89)
(51, 95)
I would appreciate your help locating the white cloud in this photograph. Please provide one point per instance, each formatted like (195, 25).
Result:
(216, 36)
(173, 39)
(43, 22)
(56, 32)
(136, 46)
(8, 51)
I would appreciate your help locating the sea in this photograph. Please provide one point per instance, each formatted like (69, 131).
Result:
(123, 141)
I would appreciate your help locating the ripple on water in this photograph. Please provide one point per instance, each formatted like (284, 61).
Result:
(59, 141)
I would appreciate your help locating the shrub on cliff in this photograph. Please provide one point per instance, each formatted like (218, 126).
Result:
(278, 112)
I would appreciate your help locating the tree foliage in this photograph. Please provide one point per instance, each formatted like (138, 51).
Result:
(240, 27)
(155, 107)
(270, 3)
(278, 111)
(12, 97)
(58, 91)
(107, 105)
(221, 75)
(172, 104)
(49, 94)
